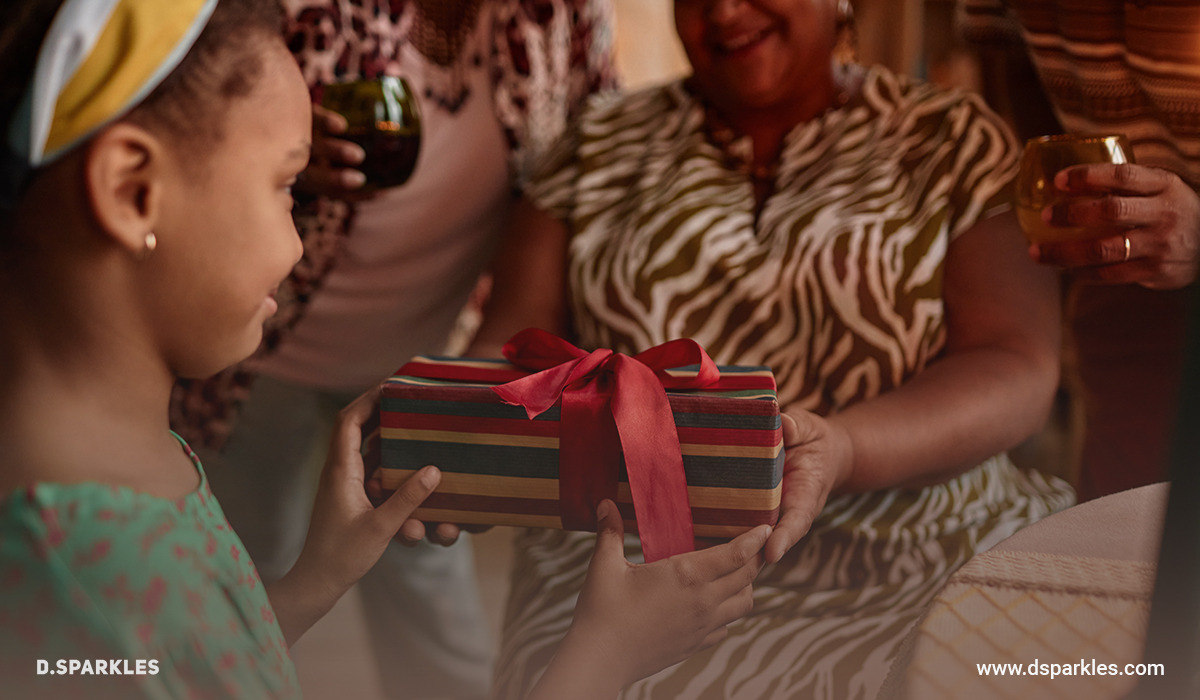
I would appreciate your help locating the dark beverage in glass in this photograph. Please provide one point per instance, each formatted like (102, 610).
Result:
(382, 116)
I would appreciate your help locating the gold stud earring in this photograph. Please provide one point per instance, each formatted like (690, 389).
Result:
(151, 243)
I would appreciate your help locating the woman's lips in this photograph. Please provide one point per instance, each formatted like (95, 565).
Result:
(741, 44)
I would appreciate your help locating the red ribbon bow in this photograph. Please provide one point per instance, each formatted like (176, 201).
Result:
(613, 403)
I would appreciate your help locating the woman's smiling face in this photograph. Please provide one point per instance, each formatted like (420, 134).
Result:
(757, 54)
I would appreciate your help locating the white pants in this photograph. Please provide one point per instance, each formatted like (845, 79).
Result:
(424, 612)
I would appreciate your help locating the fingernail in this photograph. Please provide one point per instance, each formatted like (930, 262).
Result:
(1062, 181)
(602, 510)
(355, 153)
(429, 476)
(354, 178)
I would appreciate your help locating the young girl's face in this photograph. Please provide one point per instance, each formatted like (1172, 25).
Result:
(225, 234)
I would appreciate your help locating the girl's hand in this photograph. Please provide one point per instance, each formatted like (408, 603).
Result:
(1151, 208)
(347, 534)
(634, 620)
(444, 534)
(820, 457)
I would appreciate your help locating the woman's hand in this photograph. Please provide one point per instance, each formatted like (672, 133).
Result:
(632, 621)
(1153, 208)
(820, 456)
(347, 534)
(330, 172)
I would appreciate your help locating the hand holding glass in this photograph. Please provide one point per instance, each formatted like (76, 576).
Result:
(1044, 158)
(383, 118)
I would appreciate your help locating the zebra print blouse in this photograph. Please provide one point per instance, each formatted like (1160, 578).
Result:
(838, 283)
(838, 287)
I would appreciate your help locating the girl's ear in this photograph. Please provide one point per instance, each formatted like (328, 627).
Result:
(124, 172)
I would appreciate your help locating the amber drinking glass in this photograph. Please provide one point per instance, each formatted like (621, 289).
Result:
(1044, 157)
(382, 117)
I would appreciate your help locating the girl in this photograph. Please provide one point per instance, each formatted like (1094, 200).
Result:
(146, 190)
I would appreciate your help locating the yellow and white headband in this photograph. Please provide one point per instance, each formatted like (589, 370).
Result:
(99, 60)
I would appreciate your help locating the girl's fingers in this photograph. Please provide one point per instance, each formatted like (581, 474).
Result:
(739, 578)
(371, 426)
(373, 455)
(399, 507)
(610, 533)
(360, 410)
(347, 434)
(713, 637)
(734, 607)
(717, 562)
(375, 492)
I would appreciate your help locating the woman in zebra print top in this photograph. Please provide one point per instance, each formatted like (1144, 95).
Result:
(850, 229)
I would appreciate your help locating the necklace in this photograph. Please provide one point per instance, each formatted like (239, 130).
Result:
(739, 148)
(441, 30)
(442, 27)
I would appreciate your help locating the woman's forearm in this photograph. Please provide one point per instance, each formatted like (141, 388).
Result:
(529, 281)
(992, 388)
(936, 426)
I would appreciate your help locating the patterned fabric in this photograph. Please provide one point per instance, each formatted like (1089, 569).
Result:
(1013, 607)
(547, 57)
(838, 287)
(91, 572)
(1109, 65)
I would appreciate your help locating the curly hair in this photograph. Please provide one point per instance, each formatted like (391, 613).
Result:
(223, 64)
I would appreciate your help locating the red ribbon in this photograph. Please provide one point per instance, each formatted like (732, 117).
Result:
(613, 403)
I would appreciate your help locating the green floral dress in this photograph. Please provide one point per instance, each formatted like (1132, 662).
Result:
(100, 577)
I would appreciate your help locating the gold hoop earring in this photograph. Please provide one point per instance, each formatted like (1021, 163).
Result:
(150, 243)
(845, 48)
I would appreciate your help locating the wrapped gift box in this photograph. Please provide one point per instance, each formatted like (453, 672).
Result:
(501, 468)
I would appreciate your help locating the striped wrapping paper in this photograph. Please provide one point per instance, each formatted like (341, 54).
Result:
(500, 468)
